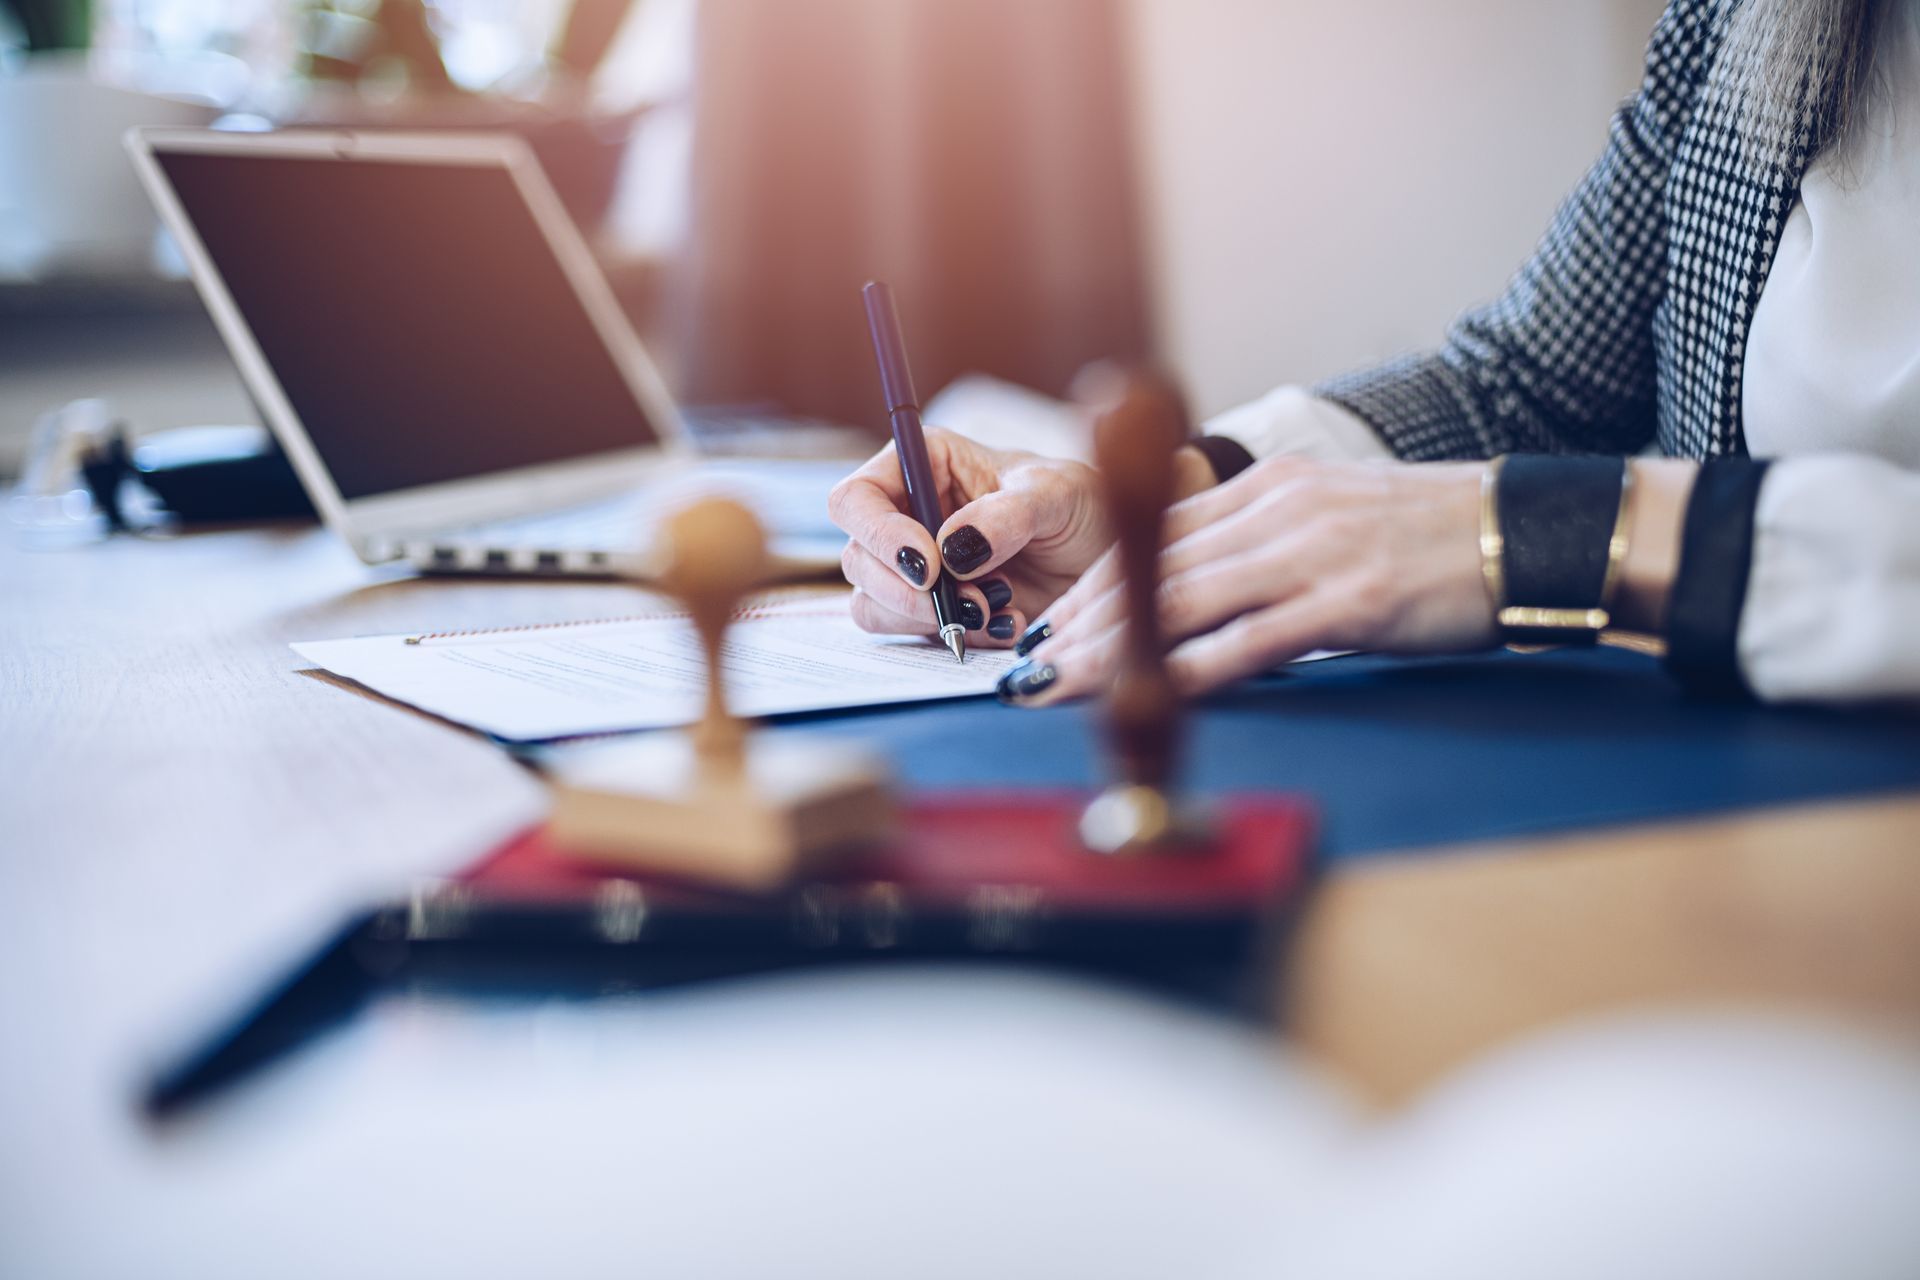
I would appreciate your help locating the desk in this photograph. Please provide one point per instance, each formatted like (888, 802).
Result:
(183, 805)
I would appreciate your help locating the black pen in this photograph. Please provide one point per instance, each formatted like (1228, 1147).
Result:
(903, 416)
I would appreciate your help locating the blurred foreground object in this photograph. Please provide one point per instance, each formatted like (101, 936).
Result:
(712, 804)
(1663, 1144)
(1141, 423)
(1411, 968)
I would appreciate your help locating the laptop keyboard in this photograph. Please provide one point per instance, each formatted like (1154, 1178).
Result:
(789, 497)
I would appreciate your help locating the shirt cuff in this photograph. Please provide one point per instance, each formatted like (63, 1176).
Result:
(1292, 420)
(1227, 456)
(1833, 603)
(1710, 584)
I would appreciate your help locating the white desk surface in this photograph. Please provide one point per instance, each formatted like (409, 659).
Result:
(184, 810)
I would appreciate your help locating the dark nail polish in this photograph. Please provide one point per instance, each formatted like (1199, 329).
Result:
(966, 549)
(999, 592)
(1000, 626)
(1025, 681)
(970, 616)
(913, 565)
(1033, 635)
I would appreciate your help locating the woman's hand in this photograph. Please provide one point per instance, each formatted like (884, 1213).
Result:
(1023, 529)
(1292, 556)
(1288, 557)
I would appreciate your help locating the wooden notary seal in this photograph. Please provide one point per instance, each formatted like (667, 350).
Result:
(718, 803)
(716, 554)
(1141, 422)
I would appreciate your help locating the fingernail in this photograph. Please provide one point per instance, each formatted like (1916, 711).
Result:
(913, 565)
(970, 616)
(999, 592)
(1033, 635)
(966, 549)
(1000, 626)
(1025, 681)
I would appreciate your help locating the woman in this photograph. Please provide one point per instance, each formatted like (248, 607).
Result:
(1736, 280)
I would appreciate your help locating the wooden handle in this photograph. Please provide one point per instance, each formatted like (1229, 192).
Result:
(1141, 422)
(716, 553)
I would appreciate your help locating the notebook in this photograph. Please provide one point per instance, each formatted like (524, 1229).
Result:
(561, 680)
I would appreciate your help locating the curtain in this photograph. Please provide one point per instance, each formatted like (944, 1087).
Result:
(975, 154)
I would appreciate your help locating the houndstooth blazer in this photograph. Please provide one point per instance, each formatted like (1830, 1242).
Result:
(1629, 324)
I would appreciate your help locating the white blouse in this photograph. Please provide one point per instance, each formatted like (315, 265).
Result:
(1830, 387)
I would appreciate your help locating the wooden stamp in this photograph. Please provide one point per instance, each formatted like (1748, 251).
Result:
(718, 803)
(1141, 422)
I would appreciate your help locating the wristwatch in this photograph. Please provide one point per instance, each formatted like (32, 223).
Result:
(1553, 538)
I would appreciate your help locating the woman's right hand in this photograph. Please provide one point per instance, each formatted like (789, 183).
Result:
(1024, 527)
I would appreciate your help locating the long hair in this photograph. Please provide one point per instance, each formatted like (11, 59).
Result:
(1802, 70)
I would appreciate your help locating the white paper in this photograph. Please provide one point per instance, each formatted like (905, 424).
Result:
(1004, 415)
(559, 682)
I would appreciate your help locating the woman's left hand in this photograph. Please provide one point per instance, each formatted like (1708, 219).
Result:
(1288, 557)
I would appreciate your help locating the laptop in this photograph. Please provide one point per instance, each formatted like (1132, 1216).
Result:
(427, 335)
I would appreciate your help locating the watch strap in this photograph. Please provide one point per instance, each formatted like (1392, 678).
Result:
(1559, 520)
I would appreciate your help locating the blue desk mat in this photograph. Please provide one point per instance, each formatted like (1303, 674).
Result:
(1405, 752)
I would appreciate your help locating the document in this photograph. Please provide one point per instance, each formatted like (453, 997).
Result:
(539, 683)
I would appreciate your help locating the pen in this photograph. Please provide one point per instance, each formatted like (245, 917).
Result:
(903, 416)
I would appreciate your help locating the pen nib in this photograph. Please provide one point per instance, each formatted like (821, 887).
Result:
(956, 643)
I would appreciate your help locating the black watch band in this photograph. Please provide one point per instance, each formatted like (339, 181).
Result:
(1560, 523)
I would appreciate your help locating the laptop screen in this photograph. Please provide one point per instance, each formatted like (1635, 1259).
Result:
(415, 315)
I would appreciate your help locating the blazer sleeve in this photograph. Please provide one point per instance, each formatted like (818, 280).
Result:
(1563, 362)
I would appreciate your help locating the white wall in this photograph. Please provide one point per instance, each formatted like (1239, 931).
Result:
(1328, 184)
